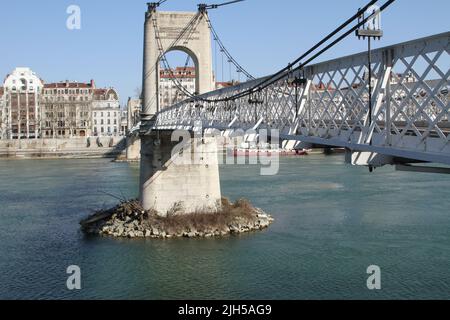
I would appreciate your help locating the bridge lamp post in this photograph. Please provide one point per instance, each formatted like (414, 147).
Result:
(370, 30)
(256, 99)
(297, 82)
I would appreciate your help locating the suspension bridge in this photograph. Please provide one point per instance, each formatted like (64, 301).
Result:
(388, 106)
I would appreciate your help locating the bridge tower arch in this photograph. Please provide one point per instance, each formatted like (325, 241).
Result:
(195, 61)
(174, 31)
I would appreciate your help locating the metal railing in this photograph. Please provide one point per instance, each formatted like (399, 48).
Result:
(410, 117)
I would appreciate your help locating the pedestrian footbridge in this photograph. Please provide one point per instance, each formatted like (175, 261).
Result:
(327, 104)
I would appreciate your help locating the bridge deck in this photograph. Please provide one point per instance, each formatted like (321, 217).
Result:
(410, 95)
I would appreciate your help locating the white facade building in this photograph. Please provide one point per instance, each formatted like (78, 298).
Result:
(170, 93)
(3, 126)
(106, 114)
(124, 123)
(134, 109)
(21, 104)
(66, 109)
(31, 109)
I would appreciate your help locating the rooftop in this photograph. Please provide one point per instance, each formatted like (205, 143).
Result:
(179, 72)
(103, 94)
(69, 84)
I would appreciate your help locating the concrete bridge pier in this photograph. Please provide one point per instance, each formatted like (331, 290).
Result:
(179, 177)
(189, 178)
(133, 148)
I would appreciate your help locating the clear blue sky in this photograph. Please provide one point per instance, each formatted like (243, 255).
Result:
(262, 35)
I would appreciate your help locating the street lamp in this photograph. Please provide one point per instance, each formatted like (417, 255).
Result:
(370, 30)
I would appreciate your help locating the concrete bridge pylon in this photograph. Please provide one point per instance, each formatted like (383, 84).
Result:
(164, 184)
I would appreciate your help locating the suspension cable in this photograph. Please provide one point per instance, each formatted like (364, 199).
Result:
(180, 36)
(280, 74)
(282, 71)
(190, 34)
(163, 55)
(184, 72)
(171, 74)
(163, 58)
(227, 53)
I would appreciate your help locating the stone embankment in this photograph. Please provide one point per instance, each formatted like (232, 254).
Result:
(68, 148)
(128, 220)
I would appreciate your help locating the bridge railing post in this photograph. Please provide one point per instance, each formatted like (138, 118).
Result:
(380, 96)
(309, 76)
(303, 110)
(388, 57)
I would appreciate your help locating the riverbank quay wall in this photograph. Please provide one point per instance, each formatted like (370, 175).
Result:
(77, 147)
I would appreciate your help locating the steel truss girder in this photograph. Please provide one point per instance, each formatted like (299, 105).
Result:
(410, 97)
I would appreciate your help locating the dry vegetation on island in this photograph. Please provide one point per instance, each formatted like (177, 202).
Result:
(128, 219)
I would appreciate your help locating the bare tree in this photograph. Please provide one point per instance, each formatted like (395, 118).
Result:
(138, 92)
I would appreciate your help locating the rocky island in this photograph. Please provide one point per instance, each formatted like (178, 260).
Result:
(129, 220)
